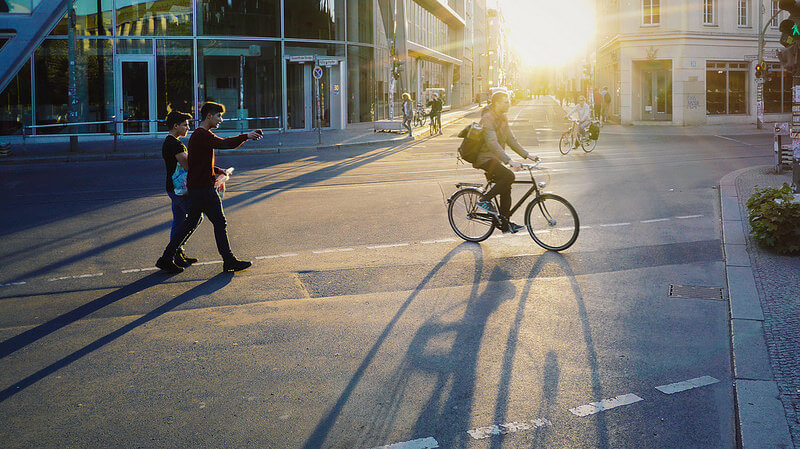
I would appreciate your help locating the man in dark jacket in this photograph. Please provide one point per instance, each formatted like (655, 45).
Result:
(497, 134)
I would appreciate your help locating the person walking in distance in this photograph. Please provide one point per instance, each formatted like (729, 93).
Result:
(606, 104)
(408, 113)
(175, 155)
(491, 157)
(203, 197)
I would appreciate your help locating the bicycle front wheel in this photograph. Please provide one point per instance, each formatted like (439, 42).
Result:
(588, 144)
(552, 222)
(565, 143)
(470, 222)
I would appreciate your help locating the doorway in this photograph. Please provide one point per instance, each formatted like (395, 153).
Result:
(302, 102)
(657, 94)
(135, 94)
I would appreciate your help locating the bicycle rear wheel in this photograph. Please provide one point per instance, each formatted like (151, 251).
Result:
(588, 144)
(565, 143)
(470, 222)
(552, 222)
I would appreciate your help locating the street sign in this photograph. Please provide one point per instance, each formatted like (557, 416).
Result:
(301, 58)
(317, 72)
(327, 62)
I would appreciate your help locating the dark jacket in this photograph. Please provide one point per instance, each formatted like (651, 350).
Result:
(496, 135)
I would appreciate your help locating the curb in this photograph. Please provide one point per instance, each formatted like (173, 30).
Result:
(760, 417)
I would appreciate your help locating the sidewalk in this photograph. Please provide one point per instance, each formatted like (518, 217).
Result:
(764, 292)
(51, 149)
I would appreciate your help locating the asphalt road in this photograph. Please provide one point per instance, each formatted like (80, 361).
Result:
(364, 320)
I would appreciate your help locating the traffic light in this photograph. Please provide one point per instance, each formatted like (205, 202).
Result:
(760, 70)
(397, 67)
(790, 28)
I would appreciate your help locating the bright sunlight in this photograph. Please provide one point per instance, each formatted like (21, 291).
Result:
(549, 32)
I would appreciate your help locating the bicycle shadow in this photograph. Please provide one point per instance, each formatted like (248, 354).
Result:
(206, 288)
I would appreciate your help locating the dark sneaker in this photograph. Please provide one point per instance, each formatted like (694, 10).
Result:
(182, 261)
(168, 265)
(487, 206)
(512, 228)
(236, 265)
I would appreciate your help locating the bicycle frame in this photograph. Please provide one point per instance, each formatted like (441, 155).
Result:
(533, 190)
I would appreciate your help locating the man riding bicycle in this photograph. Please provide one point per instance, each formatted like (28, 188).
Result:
(584, 116)
(491, 157)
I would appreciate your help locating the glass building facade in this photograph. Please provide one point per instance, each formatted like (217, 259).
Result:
(134, 61)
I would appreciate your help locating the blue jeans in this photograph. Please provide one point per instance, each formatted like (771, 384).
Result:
(180, 209)
(203, 201)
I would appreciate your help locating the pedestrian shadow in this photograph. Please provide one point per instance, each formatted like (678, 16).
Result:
(323, 428)
(206, 288)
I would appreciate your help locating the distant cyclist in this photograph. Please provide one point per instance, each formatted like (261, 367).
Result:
(497, 134)
(584, 115)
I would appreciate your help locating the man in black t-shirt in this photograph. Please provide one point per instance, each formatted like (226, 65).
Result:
(174, 152)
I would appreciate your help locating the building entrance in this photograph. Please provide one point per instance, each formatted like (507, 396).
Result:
(135, 94)
(657, 94)
(301, 97)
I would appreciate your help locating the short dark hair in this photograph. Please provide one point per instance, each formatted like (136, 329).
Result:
(209, 107)
(176, 117)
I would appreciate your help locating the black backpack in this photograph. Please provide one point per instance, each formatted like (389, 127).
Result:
(594, 131)
(472, 143)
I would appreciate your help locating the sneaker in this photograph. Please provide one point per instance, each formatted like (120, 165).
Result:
(168, 265)
(512, 228)
(182, 260)
(236, 265)
(487, 206)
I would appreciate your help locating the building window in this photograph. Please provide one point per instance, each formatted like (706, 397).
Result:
(314, 19)
(744, 17)
(239, 18)
(708, 12)
(777, 90)
(651, 12)
(15, 103)
(775, 16)
(726, 88)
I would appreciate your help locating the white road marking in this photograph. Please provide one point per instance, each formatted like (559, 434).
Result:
(734, 140)
(333, 250)
(485, 432)
(276, 256)
(605, 404)
(12, 283)
(611, 225)
(390, 245)
(689, 216)
(80, 276)
(208, 263)
(687, 384)
(428, 242)
(139, 270)
(498, 236)
(421, 443)
(655, 220)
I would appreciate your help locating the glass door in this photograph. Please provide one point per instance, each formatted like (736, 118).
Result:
(299, 96)
(657, 94)
(136, 100)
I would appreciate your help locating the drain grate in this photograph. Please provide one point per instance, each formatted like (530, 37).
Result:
(695, 292)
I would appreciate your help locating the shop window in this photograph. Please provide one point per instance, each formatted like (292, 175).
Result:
(174, 76)
(240, 17)
(15, 103)
(777, 90)
(726, 88)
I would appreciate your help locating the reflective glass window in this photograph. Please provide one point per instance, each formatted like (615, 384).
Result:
(245, 76)
(361, 84)
(16, 6)
(239, 18)
(175, 77)
(360, 17)
(134, 46)
(154, 18)
(94, 82)
(315, 19)
(92, 18)
(15, 103)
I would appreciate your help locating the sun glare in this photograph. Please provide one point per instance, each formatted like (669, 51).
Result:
(549, 32)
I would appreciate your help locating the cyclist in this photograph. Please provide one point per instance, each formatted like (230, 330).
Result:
(436, 113)
(492, 156)
(584, 117)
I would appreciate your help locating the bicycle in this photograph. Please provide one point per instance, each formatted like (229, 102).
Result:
(551, 220)
(436, 125)
(571, 139)
(419, 116)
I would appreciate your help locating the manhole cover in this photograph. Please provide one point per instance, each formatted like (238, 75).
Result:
(695, 292)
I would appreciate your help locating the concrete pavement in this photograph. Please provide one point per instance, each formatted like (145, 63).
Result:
(764, 292)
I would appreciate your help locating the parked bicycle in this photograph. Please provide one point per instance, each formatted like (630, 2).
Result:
(572, 138)
(551, 220)
(419, 115)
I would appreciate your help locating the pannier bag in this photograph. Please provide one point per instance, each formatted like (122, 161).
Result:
(471, 145)
(594, 131)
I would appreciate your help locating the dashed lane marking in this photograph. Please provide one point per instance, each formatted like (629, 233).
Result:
(12, 283)
(421, 443)
(210, 262)
(275, 256)
(611, 225)
(606, 404)
(687, 384)
(390, 245)
(683, 217)
(655, 220)
(79, 276)
(139, 270)
(428, 242)
(485, 432)
(333, 250)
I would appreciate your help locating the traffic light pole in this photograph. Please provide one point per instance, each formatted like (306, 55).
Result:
(796, 131)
